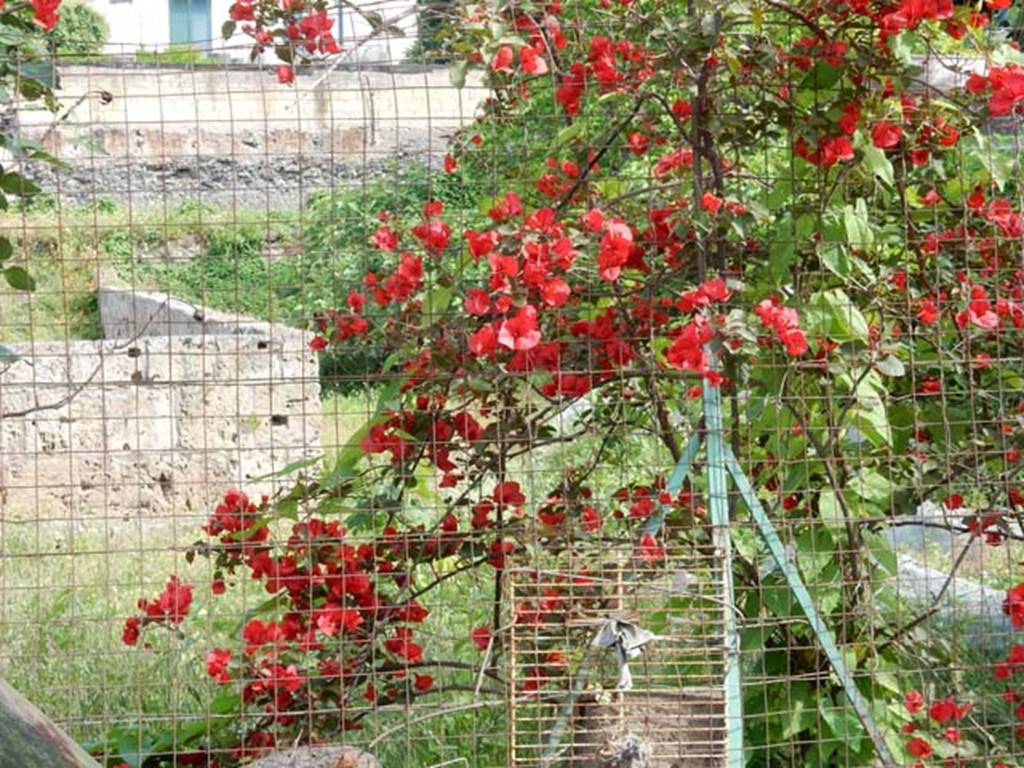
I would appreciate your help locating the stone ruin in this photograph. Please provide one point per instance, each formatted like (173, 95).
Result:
(151, 425)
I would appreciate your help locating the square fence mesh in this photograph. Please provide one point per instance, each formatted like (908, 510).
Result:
(339, 398)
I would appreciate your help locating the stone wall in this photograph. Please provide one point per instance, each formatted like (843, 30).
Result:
(152, 426)
(230, 134)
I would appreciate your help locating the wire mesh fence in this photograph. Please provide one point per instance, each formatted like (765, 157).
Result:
(286, 462)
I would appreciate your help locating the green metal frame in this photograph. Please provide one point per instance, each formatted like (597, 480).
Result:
(721, 465)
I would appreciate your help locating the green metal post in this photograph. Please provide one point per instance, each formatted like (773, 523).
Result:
(806, 602)
(718, 503)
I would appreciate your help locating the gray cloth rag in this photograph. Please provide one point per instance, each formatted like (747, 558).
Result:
(628, 641)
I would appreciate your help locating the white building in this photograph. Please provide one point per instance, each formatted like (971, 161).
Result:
(155, 25)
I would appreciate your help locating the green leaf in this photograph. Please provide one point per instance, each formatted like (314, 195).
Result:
(801, 711)
(821, 77)
(872, 422)
(997, 161)
(280, 600)
(41, 71)
(891, 366)
(291, 468)
(835, 259)
(828, 506)
(880, 165)
(437, 303)
(350, 456)
(870, 486)
(16, 184)
(838, 317)
(457, 73)
(569, 133)
(841, 721)
(859, 233)
(6, 249)
(284, 53)
(227, 29)
(19, 279)
(782, 250)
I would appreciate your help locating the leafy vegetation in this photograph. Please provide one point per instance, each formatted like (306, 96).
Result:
(81, 33)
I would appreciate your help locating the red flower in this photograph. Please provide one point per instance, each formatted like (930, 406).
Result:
(614, 249)
(132, 630)
(589, 518)
(886, 134)
(710, 203)
(945, 710)
(1007, 89)
(510, 205)
(502, 59)
(927, 312)
(172, 604)
(46, 14)
(850, 117)
(285, 74)
(681, 109)
(913, 702)
(332, 620)
(449, 164)
(243, 10)
(217, 662)
(555, 292)
(478, 302)
(432, 231)
(508, 493)
(532, 62)
(520, 332)
(385, 239)
(481, 637)
(919, 748)
(785, 322)
(976, 83)
(402, 645)
(649, 549)
(687, 351)
(498, 553)
(637, 143)
(423, 683)
(484, 341)
(979, 311)
(569, 92)
(480, 245)
(1013, 605)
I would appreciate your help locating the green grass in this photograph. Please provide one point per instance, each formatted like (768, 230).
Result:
(64, 601)
(68, 249)
(343, 416)
(63, 606)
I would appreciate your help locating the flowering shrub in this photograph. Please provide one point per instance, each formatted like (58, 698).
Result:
(850, 288)
(295, 30)
(27, 73)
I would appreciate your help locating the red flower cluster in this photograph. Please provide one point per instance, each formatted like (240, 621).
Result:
(1005, 86)
(830, 150)
(170, 607)
(1013, 605)
(942, 712)
(786, 324)
(910, 13)
(45, 13)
